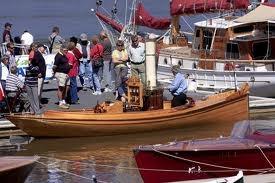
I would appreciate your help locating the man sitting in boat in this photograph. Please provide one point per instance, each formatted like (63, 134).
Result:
(178, 87)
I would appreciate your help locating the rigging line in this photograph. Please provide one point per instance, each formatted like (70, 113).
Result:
(70, 173)
(126, 12)
(265, 156)
(152, 169)
(187, 23)
(268, 42)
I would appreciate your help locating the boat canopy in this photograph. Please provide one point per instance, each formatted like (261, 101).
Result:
(143, 18)
(180, 7)
(263, 13)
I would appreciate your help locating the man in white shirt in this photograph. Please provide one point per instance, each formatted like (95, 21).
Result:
(26, 38)
(137, 58)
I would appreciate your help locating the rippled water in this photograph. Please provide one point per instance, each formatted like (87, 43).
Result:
(110, 158)
(73, 17)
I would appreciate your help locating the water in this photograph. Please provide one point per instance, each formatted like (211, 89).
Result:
(109, 158)
(73, 17)
(114, 151)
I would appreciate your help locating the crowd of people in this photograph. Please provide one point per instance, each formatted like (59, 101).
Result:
(99, 67)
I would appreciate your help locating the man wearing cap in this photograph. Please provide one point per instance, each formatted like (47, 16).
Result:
(4, 71)
(178, 87)
(137, 58)
(85, 68)
(7, 38)
(38, 57)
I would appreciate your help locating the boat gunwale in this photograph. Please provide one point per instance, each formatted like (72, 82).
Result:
(174, 113)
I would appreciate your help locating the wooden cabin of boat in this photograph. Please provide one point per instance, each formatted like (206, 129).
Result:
(248, 38)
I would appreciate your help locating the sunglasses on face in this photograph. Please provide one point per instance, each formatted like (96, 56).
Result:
(119, 45)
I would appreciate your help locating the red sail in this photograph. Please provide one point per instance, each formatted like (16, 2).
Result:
(179, 7)
(144, 18)
(113, 23)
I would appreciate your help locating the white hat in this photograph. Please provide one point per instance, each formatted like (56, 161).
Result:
(83, 37)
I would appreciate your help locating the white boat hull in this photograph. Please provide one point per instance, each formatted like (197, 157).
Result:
(261, 80)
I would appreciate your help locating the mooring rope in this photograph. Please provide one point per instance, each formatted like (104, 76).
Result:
(70, 173)
(208, 164)
(159, 170)
(265, 158)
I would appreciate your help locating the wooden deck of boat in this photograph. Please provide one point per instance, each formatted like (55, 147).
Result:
(263, 178)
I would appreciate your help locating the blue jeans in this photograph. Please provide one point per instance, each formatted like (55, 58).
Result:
(96, 78)
(73, 90)
(85, 70)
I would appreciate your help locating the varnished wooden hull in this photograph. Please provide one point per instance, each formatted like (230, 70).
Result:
(216, 110)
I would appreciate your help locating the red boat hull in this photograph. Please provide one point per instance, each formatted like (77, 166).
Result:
(176, 165)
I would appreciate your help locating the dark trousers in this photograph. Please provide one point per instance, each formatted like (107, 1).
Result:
(178, 100)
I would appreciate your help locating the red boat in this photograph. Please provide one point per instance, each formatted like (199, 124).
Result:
(247, 149)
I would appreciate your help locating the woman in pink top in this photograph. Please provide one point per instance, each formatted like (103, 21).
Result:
(72, 73)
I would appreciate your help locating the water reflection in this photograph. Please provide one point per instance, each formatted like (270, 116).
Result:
(109, 158)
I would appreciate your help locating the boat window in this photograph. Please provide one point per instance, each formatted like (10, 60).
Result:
(207, 39)
(241, 29)
(180, 63)
(198, 33)
(165, 61)
(260, 50)
(232, 51)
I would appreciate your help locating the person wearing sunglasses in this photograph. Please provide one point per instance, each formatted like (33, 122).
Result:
(119, 58)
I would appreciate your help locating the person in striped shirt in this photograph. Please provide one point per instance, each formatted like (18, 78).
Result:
(15, 85)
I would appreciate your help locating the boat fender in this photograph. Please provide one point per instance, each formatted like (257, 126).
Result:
(94, 179)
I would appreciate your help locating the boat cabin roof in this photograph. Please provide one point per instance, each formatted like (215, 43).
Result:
(220, 23)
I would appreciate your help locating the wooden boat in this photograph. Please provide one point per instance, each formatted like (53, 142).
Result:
(247, 149)
(220, 108)
(16, 169)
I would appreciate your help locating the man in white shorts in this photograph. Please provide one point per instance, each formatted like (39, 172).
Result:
(61, 69)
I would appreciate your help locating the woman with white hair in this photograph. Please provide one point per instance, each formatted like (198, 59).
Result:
(178, 87)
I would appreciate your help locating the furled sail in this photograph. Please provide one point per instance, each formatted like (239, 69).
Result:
(109, 21)
(143, 18)
(179, 7)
